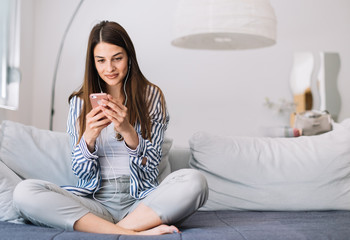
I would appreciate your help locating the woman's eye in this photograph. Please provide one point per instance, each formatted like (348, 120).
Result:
(118, 59)
(100, 60)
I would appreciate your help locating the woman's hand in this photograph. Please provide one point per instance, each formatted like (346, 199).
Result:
(118, 114)
(95, 122)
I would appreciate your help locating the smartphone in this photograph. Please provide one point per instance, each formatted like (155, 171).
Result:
(95, 99)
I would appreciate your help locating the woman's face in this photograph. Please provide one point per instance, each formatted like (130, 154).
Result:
(111, 62)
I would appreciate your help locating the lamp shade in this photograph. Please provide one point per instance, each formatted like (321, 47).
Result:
(224, 24)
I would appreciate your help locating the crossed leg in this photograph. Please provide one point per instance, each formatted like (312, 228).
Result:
(186, 189)
(132, 224)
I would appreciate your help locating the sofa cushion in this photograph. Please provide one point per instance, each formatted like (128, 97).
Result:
(260, 173)
(8, 181)
(179, 158)
(35, 153)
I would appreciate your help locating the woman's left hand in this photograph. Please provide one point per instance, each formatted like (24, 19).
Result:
(118, 114)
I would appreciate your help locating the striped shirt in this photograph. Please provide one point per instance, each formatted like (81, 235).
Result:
(143, 178)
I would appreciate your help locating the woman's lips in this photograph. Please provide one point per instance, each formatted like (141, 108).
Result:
(111, 76)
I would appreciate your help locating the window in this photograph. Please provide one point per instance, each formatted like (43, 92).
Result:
(9, 53)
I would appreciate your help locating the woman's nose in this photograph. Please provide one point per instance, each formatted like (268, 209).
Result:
(110, 67)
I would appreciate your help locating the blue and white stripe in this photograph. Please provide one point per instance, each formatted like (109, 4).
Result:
(143, 178)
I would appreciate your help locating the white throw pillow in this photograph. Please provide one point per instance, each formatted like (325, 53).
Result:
(35, 153)
(257, 173)
(8, 181)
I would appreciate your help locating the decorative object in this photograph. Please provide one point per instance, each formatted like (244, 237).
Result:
(224, 24)
(300, 80)
(313, 122)
(327, 83)
(313, 82)
(281, 107)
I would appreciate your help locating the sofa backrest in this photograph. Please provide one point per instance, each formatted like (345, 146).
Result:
(179, 158)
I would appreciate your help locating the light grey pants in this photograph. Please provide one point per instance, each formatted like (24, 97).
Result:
(46, 204)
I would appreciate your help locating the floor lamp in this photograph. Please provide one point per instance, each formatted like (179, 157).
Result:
(52, 112)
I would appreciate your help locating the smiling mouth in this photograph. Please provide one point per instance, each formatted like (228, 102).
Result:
(112, 76)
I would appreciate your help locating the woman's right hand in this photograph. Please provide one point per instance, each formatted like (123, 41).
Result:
(95, 122)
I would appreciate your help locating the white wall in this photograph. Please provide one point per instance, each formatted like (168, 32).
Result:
(218, 91)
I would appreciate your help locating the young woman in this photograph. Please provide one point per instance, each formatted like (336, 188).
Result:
(116, 148)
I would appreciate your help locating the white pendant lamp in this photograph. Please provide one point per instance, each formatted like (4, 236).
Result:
(224, 24)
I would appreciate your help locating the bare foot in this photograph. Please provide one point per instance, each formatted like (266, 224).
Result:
(160, 230)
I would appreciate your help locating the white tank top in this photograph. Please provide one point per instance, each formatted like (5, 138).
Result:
(113, 156)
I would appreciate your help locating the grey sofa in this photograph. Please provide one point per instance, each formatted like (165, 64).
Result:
(260, 188)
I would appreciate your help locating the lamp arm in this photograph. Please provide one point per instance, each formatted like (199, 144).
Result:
(52, 112)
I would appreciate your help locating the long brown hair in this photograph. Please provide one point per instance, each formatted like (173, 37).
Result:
(136, 85)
